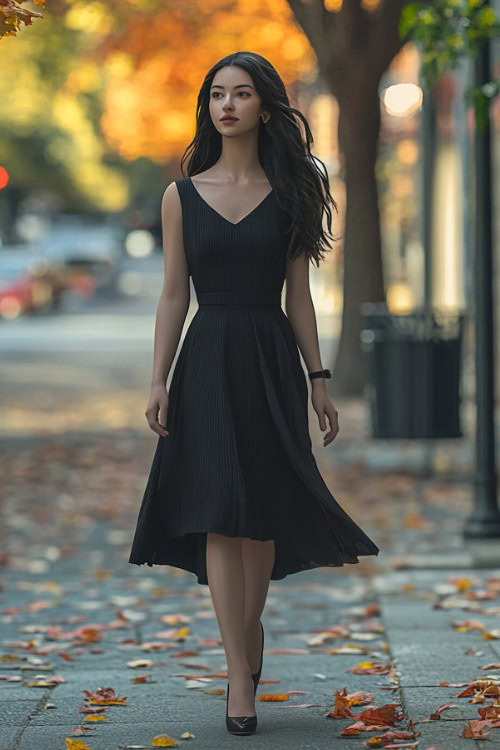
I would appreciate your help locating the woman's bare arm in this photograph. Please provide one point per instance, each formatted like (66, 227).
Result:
(172, 307)
(300, 311)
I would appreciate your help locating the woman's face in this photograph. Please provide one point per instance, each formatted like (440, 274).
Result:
(233, 94)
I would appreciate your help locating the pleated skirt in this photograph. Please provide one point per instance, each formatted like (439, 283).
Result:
(238, 459)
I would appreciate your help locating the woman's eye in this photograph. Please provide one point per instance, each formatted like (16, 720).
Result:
(215, 94)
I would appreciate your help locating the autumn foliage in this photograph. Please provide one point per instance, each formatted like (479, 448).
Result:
(12, 15)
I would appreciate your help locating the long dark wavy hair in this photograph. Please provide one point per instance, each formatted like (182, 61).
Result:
(301, 187)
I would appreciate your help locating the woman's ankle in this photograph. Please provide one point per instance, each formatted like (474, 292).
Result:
(239, 670)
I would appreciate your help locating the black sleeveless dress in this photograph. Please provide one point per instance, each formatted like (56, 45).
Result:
(238, 459)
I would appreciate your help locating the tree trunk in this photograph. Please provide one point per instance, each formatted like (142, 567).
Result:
(354, 46)
(359, 125)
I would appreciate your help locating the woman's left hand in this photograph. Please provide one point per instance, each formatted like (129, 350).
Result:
(324, 408)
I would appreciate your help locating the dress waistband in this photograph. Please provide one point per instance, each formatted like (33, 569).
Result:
(239, 298)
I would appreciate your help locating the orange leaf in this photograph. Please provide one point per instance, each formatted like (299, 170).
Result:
(274, 697)
(491, 635)
(341, 709)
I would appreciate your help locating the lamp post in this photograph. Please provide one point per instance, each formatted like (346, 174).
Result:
(484, 522)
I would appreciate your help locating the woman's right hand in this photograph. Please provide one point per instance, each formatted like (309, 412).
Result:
(156, 412)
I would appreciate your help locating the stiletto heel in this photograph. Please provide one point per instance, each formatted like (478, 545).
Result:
(256, 676)
(239, 724)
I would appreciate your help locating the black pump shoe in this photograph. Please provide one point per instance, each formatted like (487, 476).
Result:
(239, 724)
(256, 676)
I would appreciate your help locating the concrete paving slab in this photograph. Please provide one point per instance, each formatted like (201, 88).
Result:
(8, 737)
(16, 713)
(421, 702)
(14, 692)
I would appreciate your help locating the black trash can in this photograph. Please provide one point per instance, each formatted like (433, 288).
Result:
(413, 365)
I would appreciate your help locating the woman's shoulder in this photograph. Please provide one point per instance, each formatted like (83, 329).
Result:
(182, 181)
(180, 185)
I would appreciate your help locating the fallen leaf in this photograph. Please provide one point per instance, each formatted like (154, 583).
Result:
(76, 745)
(437, 713)
(104, 696)
(369, 667)
(387, 739)
(142, 678)
(301, 705)
(389, 713)
(274, 697)
(163, 740)
(140, 663)
(360, 726)
(465, 626)
(491, 635)
(475, 730)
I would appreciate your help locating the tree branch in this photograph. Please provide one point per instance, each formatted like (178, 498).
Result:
(321, 27)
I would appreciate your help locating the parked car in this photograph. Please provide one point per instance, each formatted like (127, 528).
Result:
(84, 246)
(28, 282)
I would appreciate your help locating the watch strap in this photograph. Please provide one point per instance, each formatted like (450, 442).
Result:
(320, 374)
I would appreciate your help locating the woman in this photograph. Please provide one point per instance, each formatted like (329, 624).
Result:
(234, 494)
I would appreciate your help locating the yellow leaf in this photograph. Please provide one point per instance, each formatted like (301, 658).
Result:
(76, 745)
(95, 717)
(163, 740)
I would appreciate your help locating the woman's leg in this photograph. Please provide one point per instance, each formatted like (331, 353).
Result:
(258, 561)
(226, 581)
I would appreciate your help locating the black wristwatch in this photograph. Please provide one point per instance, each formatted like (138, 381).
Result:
(320, 374)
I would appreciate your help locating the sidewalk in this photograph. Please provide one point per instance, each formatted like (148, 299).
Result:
(73, 608)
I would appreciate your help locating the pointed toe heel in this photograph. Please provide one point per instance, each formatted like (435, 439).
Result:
(239, 724)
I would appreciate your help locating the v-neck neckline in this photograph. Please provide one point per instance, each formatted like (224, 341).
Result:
(232, 223)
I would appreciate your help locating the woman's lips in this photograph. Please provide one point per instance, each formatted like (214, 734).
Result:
(229, 119)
